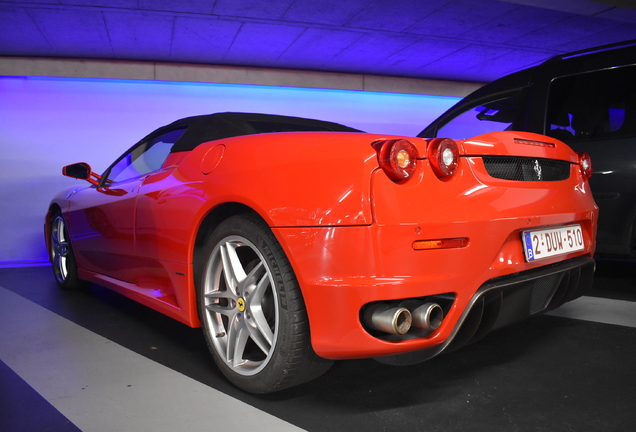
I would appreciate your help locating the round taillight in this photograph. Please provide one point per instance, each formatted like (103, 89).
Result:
(397, 158)
(585, 163)
(443, 155)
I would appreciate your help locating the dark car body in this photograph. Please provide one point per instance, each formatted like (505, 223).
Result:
(586, 99)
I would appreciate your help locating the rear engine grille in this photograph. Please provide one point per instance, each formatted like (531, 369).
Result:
(526, 169)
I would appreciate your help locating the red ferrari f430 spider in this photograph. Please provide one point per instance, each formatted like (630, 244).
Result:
(296, 242)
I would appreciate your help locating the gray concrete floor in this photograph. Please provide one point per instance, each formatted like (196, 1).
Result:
(96, 361)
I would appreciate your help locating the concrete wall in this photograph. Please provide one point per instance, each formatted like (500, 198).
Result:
(77, 68)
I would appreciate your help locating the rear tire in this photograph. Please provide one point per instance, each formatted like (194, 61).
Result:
(252, 310)
(61, 255)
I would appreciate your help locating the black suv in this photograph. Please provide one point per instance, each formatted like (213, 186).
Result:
(586, 99)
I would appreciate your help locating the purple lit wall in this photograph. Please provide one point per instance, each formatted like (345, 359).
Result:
(46, 123)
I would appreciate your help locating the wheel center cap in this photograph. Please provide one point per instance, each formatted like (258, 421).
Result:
(240, 304)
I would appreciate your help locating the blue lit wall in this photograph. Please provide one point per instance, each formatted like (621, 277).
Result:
(46, 123)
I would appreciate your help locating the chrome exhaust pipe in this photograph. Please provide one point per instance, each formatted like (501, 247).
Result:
(428, 316)
(394, 320)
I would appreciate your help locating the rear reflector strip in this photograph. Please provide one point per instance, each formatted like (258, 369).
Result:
(452, 243)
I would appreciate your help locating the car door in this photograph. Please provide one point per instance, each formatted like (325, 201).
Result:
(102, 218)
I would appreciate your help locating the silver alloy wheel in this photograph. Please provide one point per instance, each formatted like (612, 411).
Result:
(241, 305)
(60, 248)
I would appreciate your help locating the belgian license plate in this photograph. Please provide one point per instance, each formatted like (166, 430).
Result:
(539, 244)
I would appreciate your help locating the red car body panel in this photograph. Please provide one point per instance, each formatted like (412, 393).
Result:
(365, 264)
(347, 229)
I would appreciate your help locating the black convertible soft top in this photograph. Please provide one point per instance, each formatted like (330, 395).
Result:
(212, 127)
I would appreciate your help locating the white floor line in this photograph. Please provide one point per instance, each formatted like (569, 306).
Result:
(600, 310)
(102, 386)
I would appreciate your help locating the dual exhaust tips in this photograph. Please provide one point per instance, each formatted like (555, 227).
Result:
(398, 319)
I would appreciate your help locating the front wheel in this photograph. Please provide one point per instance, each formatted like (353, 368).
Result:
(61, 255)
(252, 310)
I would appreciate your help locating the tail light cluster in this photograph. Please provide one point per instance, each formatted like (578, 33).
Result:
(443, 155)
(585, 163)
(398, 157)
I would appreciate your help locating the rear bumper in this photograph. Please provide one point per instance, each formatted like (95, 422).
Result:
(509, 299)
(343, 269)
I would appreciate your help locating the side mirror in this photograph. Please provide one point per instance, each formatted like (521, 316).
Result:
(80, 171)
